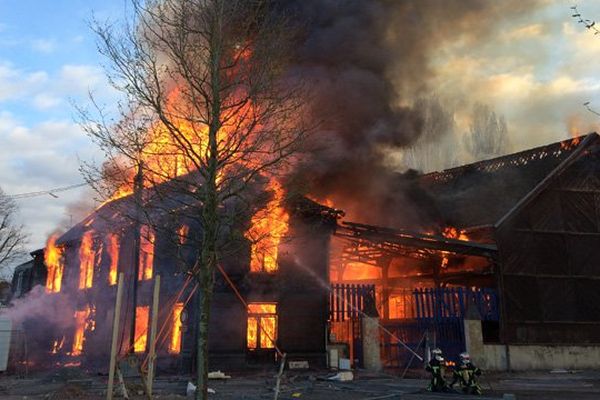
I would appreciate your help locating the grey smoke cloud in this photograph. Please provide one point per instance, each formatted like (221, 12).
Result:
(367, 62)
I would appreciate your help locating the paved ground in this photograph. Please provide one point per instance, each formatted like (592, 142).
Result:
(71, 383)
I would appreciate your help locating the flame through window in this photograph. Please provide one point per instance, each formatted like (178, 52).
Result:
(176, 325)
(142, 316)
(262, 326)
(54, 260)
(112, 249)
(89, 257)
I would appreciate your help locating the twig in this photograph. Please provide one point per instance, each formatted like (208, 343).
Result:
(588, 23)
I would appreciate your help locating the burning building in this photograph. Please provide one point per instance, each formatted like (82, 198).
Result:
(516, 247)
(517, 243)
(284, 285)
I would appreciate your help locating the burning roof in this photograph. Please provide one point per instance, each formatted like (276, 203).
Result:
(117, 214)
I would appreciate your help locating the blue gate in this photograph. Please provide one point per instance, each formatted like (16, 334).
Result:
(439, 318)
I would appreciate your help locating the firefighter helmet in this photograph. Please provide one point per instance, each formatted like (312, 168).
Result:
(437, 354)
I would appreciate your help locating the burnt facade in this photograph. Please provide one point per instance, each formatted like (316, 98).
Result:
(287, 308)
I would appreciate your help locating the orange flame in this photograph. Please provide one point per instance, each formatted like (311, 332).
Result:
(268, 226)
(112, 248)
(360, 271)
(53, 258)
(162, 156)
(175, 345)
(146, 253)
(252, 333)
(262, 325)
(322, 200)
(87, 258)
(84, 322)
(142, 314)
(451, 232)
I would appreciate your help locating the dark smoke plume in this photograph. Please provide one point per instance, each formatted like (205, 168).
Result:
(367, 60)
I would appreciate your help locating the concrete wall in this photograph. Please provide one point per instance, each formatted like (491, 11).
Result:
(526, 357)
(370, 342)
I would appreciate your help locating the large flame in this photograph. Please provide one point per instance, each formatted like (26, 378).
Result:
(84, 322)
(164, 159)
(268, 226)
(162, 156)
(53, 258)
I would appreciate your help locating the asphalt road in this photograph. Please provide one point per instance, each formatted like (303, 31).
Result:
(309, 385)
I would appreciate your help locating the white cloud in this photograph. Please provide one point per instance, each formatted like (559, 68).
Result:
(40, 157)
(45, 90)
(46, 100)
(45, 46)
(80, 78)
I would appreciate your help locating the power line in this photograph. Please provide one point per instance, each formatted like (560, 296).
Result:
(50, 192)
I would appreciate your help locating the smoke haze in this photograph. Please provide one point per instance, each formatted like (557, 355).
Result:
(369, 62)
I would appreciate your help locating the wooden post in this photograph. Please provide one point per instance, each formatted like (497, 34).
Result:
(279, 375)
(152, 351)
(115, 337)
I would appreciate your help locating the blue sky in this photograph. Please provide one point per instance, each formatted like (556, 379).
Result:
(48, 60)
(536, 69)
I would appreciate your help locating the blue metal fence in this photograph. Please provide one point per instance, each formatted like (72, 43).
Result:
(439, 315)
(440, 303)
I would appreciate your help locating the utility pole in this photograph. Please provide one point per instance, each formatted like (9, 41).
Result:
(138, 187)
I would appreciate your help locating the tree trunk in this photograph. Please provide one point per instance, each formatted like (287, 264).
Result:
(210, 207)
(204, 303)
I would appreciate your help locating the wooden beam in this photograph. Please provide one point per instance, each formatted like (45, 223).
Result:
(395, 240)
(115, 337)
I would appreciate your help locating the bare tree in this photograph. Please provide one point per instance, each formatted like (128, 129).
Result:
(12, 237)
(488, 134)
(436, 148)
(208, 115)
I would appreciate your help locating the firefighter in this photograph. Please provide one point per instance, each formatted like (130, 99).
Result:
(465, 373)
(436, 367)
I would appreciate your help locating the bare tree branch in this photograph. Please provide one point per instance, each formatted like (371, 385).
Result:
(12, 237)
(209, 118)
